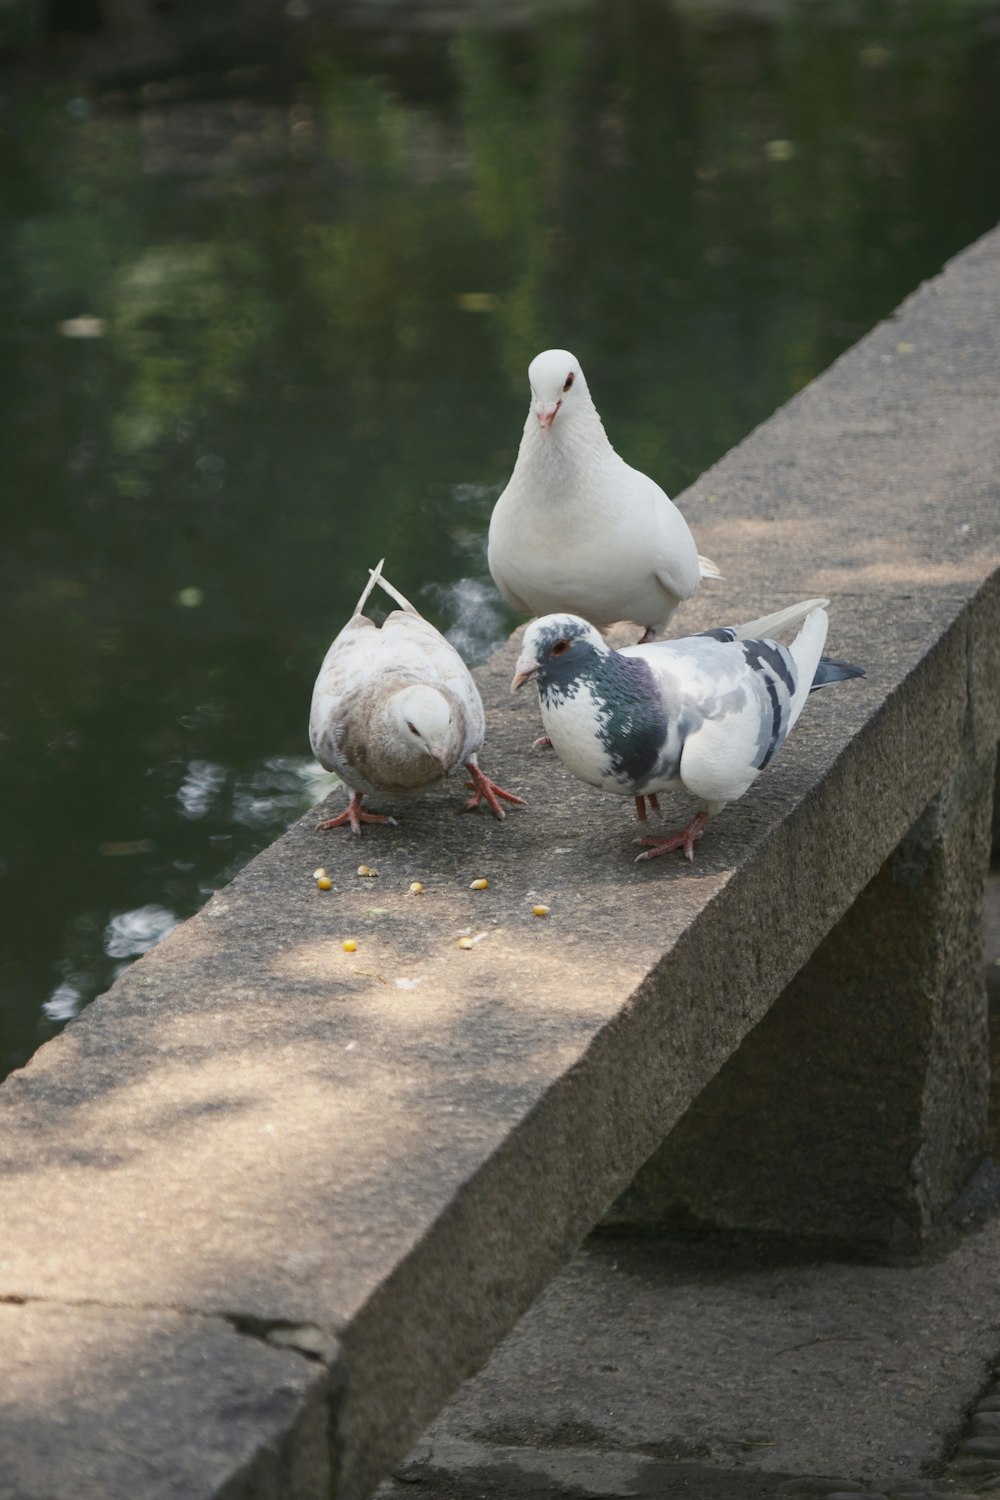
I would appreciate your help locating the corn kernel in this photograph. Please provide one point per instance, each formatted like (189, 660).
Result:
(349, 945)
(416, 887)
(465, 943)
(363, 870)
(325, 883)
(319, 873)
(540, 910)
(478, 885)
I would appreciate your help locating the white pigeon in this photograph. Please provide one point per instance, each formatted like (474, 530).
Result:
(577, 529)
(395, 709)
(709, 711)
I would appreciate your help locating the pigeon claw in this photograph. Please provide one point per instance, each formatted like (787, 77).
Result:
(355, 814)
(483, 789)
(542, 743)
(686, 840)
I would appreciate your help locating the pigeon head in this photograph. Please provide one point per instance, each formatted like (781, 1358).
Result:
(422, 721)
(557, 384)
(556, 649)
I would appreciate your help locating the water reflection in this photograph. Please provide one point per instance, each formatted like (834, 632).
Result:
(131, 933)
(263, 324)
(202, 782)
(270, 795)
(64, 1002)
(280, 791)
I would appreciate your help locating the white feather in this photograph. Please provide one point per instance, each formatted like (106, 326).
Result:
(577, 529)
(781, 619)
(806, 650)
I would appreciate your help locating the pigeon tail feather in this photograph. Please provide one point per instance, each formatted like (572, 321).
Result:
(781, 619)
(832, 670)
(404, 603)
(806, 650)
(374, 577)
(709, 569)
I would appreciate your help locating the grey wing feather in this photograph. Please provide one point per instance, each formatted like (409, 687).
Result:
(733, 702)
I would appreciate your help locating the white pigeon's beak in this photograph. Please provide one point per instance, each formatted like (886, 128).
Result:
(524, 669)
(442, 760)
(545, 411)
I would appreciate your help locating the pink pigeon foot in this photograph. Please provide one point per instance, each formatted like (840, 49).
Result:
(686, 840)
(640, 805)
(542, 743)
(355, 814)
(648, 635)
(482, 787)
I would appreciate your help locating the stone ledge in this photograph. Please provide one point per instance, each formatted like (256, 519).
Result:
(400, 1147)
(120, 1404)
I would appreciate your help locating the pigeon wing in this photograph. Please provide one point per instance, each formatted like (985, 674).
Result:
(673, 555)
(346, 671)
(736, 701)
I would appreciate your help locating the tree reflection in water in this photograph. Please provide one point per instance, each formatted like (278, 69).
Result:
(265, 322)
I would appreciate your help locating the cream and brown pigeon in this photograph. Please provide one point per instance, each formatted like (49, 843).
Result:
(395, 710)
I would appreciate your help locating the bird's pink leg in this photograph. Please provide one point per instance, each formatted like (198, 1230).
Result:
(686, 839)
(355, 814)
(542, 743)
(482, 787)
(640, 805)
(647, 635)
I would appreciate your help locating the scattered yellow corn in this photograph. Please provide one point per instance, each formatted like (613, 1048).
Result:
(416, 887)
(318, 874)
(364, 870)
(324, 882)
(349, 945)
(465, 943)
(478, 885)
(541, 911)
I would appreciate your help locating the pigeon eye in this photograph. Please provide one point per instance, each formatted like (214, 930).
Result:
(412, 727)
(560, 647)
(569, 381)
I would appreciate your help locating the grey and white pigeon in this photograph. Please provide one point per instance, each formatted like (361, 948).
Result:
(577, 529)
(709, 711)
(395, 709)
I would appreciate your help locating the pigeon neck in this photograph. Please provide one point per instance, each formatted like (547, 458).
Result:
(620, 714)
(404, 761)
(573, 442)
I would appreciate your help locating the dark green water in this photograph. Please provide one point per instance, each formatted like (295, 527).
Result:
(314, 276)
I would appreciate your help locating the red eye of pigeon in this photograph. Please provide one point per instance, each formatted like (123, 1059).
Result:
(560, 647)
(569, 381)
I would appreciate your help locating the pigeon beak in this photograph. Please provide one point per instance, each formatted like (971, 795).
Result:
(442, 759)
(523, 670)
(545, 411)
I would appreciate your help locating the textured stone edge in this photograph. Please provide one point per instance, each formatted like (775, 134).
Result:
(96, 1392)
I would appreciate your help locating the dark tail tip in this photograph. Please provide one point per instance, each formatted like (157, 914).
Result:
(830, 670)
